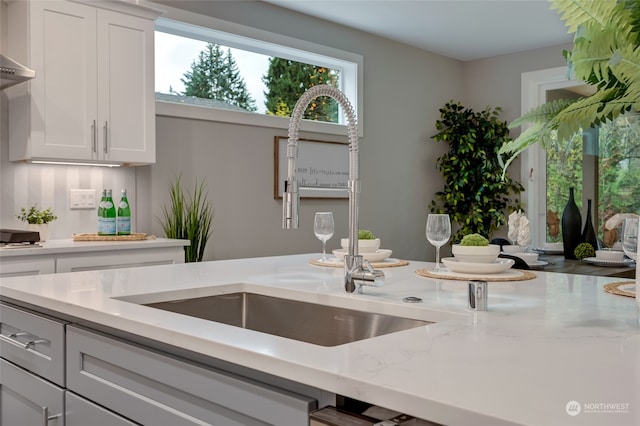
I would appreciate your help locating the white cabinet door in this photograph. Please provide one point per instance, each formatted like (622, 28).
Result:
(26, 399)
(81, 412)
(126, 111)
(124, 259)
(55, 118)
(93, 95)
(26, 266)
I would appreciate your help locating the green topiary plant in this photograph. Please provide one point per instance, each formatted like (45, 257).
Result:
(474, 240)
(475, 196)
(363, 234)
(584, 250)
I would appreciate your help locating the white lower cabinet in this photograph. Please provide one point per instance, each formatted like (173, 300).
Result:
(80, 412)
(26, 266)
(26, 399)
(55, 373)
(154, 388)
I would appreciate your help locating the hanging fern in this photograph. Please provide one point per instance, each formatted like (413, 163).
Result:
(606, 54)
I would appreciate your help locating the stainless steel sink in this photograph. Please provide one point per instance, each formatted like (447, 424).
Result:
(303, 321)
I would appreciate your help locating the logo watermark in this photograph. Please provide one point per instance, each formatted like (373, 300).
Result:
(573, 408)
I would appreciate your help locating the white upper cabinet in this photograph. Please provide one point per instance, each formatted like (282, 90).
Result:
(93, 95)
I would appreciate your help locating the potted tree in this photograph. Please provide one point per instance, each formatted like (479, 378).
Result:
(37, 220)
(475, 196)
(606, 55)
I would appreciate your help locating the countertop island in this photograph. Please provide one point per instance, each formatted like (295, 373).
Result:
(543, 344)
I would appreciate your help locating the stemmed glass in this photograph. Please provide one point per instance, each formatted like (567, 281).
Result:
(323, 228)
(438, 233)
(630, 238)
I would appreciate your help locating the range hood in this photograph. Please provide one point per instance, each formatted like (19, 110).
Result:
(12, 72)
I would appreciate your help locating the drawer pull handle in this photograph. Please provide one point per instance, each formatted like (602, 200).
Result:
(13, 338)
(46, 417)
(33, 342)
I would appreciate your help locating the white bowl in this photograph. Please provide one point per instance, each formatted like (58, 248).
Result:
(500, 265)
(610, 255)
(364, 246)
(476, 254)
(377, 256)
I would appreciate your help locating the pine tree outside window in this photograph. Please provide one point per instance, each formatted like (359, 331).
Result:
(204, 67)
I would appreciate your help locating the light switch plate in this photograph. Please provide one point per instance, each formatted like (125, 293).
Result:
(82, 199)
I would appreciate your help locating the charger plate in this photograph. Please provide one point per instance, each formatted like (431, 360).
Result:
(508, 275)
(621, 288)
(335, 263)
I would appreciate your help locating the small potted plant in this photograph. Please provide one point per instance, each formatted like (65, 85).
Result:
(367, 242)
(474, 248)
(37, 220)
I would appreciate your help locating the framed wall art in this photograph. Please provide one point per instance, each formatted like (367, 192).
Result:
(322, 168)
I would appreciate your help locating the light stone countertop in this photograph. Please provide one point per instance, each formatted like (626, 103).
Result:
(69, 246)
(543, 343)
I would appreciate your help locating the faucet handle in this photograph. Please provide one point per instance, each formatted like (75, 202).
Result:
(369, 277)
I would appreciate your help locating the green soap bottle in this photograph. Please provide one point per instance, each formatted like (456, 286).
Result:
(124, 215)
(109, 219)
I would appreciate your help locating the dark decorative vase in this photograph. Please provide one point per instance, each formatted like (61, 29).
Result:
(571, 224)
(589, 233)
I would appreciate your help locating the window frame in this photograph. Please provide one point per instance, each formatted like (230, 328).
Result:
(210, 29)
(533, 162)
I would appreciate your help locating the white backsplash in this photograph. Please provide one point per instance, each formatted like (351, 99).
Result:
(48, 186)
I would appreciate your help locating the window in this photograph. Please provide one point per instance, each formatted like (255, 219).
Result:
(248, 58)
(600, 164)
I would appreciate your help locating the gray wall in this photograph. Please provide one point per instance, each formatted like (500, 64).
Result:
(397, 156)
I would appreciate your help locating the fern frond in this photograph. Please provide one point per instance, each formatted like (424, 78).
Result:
(583, 113)
(625, 65)
(542, 113)
(576, 13)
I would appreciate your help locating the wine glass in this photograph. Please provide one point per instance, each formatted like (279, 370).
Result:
(323, 229)
(630, 237)
(438, 232)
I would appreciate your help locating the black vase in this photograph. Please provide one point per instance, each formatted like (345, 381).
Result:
(589, 233)
(571, 224)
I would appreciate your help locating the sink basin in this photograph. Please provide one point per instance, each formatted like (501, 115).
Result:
(307, 322)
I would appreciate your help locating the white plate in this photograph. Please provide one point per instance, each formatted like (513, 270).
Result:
(538, 264)
(479, 268)
(596, 261)
(377, 256)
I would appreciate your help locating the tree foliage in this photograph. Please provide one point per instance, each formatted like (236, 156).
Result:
(606, 54)
(475, 195)
(618, 162)
(215, 75)
(287, 80)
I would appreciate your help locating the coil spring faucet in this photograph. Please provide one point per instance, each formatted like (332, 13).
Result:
(357, 272)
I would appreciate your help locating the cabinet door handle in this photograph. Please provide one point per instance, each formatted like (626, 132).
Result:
(94, 137)
(46, 417)
(106, 140)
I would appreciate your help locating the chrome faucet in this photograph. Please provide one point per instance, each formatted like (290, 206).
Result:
(357, 272)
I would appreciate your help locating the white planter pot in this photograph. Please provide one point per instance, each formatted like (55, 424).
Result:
(42, 229)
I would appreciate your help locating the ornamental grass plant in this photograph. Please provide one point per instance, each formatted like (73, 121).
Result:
(189, 217)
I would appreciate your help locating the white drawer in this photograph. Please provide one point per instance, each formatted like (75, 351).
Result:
(34, 342)
(158, 389)
(26, 399)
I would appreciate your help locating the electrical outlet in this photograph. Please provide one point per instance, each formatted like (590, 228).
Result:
(82, 199)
